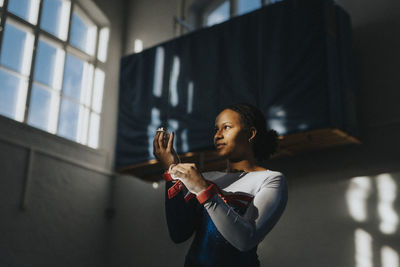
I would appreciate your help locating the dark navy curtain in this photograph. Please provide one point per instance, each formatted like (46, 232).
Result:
(292, 59)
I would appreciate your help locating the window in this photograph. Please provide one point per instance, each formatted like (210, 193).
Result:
(218, 14)
(45, 94)
(220, 11)
(246, 6)
(51, 70)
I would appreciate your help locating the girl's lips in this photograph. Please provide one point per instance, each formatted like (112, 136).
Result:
(219, 145)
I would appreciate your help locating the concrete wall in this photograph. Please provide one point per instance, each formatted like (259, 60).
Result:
(152, 21)
(64, 187)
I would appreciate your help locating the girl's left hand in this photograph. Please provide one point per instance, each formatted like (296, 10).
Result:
(190, 176)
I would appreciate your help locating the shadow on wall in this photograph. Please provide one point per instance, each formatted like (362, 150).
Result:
(377, 64)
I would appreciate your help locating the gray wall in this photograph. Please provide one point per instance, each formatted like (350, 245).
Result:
(152, 21)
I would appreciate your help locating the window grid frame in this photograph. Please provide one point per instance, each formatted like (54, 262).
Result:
(33, 60)
(3, 21)
(67, 47)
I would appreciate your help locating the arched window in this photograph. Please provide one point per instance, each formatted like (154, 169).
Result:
(52, 56)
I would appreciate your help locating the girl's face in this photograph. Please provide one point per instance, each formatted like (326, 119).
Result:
(231, 139)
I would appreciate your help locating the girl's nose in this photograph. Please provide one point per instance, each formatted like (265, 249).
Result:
(218, 135)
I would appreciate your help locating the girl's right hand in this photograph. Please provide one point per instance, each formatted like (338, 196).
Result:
(165, 152)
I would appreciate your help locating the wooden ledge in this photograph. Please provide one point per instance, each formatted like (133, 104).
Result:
(207, 160)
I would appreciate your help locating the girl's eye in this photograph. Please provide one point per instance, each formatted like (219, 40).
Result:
(224, 127)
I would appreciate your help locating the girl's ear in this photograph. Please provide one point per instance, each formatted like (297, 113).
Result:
(252, 133)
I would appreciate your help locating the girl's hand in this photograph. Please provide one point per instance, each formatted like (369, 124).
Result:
(190, 176)
(164, 151)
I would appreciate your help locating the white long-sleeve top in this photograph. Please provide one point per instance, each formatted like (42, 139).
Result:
(268, 190)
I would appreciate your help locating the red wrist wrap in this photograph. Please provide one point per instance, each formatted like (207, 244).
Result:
(167, 177)
(175, 189)
(178, 186)
(211, 190)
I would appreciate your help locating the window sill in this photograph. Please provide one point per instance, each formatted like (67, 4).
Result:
(26, 136)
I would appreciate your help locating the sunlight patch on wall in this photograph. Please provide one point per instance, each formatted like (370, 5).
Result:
(356, 196)
(389, 257)
(363, 247)
(387, 193)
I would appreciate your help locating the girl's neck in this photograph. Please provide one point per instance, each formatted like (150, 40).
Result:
(243, 166)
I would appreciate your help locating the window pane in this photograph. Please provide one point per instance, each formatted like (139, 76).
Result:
(98, 90)
(103, 44)
(83, 125)
(26, 9)
(73, 77)
(12, 95)
(83, 33)
(88, 72)
(43, 108)
(55, 16)
(74, 120)
(1, 2)
(94, 130)
(49, 64)
(78, 79)
(245, 6)
(16, 52)
(69, 115)
(218, 15)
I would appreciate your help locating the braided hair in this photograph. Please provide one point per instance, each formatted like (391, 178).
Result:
(266, 141)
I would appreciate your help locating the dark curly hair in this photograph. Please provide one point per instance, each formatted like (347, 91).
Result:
(265, 142)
